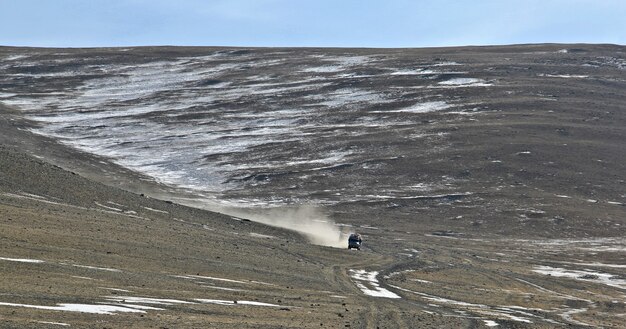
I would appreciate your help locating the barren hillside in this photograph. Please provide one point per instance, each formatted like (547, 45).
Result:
(488, 183)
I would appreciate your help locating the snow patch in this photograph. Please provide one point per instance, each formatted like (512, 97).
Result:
(367, 282)
(146, 300)
(22, 260)
(15, 57)
(264, 236)
(324, 69)
(446, 64)
(143, 307)
(477, 308)
(115, 289)
(107, 207)
(156, 210)
(599, 265)
(421, 108)
(420, 280)
(582, 275)
(234, 302)
(195, 277)
(54, 323)
(81, 277)
(465, 82)
(564, 76)
(221, 288)
(93, 267)
(216, 279)
(82, 308)
(416, 72)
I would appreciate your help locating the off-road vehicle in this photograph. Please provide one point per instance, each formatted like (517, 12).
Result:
(354, 241)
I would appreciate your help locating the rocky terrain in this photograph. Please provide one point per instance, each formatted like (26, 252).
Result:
(488, 183)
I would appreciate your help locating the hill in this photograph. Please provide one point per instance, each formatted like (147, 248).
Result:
(487, 182)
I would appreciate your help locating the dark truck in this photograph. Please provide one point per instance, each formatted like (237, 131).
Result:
(354, 241)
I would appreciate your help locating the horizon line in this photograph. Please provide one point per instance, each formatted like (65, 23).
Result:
(315, 47)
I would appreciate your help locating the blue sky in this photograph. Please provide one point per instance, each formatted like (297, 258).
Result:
(326, 23)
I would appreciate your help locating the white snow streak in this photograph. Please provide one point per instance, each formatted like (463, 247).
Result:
(367, 282)
(22, 260)
(82, 308)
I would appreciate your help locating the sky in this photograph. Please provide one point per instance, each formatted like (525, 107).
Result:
(309, 23)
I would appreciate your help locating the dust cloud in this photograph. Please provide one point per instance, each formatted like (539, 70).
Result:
(309, 221)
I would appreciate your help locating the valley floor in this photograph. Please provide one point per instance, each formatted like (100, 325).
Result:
(82, 254)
